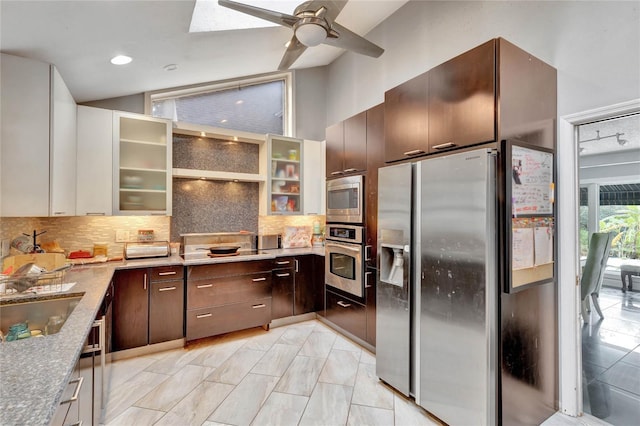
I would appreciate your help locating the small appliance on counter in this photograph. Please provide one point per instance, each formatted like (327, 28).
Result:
(268, 241)
(142, 250)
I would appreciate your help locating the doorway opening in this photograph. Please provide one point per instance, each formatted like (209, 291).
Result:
(609, 202)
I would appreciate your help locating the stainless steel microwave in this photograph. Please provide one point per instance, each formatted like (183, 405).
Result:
(345, 199)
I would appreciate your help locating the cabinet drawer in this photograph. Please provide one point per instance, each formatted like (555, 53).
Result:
(283, 262)
(166, 311)
(223, 319)
(222, 291)
(200, 272)
(347, 314)
(167, 273)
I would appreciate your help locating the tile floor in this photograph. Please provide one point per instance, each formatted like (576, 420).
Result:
(300, 374)
(611, 358)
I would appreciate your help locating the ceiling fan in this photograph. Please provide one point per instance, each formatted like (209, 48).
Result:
(313, 23)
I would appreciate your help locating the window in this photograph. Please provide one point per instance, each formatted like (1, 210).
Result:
(258, 105)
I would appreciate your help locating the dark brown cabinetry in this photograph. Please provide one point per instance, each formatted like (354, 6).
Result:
(296, 281)
(406, 112)
(346, 145)
(148, 306)
(375, 160)
(347, 314)
(227, 297)
(462, 99)
(493, 92)
(130, 309)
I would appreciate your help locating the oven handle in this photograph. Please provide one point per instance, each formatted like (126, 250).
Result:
(343, 246)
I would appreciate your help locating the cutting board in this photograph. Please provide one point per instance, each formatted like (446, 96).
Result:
(49, 261)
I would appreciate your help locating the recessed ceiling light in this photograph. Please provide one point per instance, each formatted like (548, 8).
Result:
(121, 60)
(224, 120)
(239, 102)
(203, 134)
(170, 67)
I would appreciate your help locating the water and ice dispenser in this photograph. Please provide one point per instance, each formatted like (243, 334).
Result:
(392, 267)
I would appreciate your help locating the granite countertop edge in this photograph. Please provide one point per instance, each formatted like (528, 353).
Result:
(34, 372)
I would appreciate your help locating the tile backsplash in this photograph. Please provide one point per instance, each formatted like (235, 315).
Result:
(81, 232)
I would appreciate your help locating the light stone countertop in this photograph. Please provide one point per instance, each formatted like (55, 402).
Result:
(34, 372)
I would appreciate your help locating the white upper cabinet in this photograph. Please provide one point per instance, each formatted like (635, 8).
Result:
(314, 180)
(94, 182)
(63, 148)
(38, 141)
(142, 165)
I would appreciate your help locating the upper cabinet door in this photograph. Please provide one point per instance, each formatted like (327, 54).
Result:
(24, 128)
(286, 175)
(355, 143)
(142, 165)
(407, 119)
(63, 148)
(94, 162)
(335, 150)
(462, 100)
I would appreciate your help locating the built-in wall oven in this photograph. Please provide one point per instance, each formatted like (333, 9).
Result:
(345, 199)
(344, 258)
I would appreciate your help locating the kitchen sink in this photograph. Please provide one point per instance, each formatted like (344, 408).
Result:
(37, 314)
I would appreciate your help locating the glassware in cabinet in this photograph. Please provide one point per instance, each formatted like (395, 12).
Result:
(285, 175)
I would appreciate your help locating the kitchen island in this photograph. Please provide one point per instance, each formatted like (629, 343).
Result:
(34, 372)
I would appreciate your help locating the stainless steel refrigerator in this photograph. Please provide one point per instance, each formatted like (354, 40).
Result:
(438, 285)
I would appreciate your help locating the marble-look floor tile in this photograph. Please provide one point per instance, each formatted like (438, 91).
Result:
(196, 407)
(281, 409)
(244, 402)
(234, 369)
(301, 376)
(217, 353)
(344, 344)
(176, 387)
(341, 368)
(328, 405)
(295, 335)
(369, 390)
(370, 416)
(559, 419)
(124, 396)
(123, 370)
(367, 357)
(136, 416)
(173, 361)
(318, 344)
(264, 341)
(406, 412)
(276, 361)
(611, 404)
(633, 357)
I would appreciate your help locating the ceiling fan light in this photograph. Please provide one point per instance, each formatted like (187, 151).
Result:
(311, 34)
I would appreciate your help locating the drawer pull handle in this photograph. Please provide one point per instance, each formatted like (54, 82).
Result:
(162, 274)
(255, 280)
(283, 262)
(262, 305)
(336, 173)
(95, 214)
(445, 145)
(344, 305)
(76, 392)
(414, 152)
(166, 288)
(204, 286)
(366, 279)
(350, 170)
(203, 316)
(283, 275)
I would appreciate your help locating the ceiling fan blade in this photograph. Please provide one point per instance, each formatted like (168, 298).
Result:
(292, 53)
(351, 41)
(333, 8)
(258, 12)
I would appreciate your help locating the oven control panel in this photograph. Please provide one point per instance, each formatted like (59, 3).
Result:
(345, 233)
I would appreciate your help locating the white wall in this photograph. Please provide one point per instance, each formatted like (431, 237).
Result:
(594, 45)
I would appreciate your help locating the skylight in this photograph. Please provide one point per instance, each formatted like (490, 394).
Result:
(208, 15)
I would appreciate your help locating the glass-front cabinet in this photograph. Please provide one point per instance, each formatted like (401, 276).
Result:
(285, 175)
(142, 165)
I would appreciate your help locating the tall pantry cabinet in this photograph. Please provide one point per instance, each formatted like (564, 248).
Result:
(38, 131)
